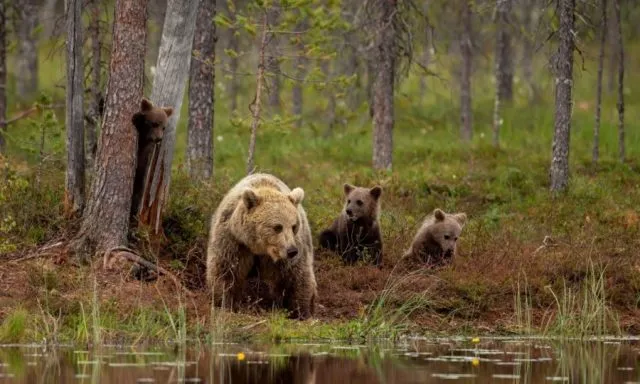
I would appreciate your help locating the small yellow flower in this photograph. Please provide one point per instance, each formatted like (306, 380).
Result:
(240, 356)
(475, 362)
(475, 340)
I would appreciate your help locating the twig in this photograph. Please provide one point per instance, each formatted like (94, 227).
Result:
(25, 113)
(247, 327)
(546, 242)
(39, 253)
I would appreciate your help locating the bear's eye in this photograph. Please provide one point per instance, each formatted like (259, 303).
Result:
(295, 228)
(349, 201)
(278, 228)
(447, 237)
(359, 202)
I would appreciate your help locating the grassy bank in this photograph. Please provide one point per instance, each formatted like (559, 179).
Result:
(584, 279)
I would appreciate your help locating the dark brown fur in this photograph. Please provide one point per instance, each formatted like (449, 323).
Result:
(355, 234)
(150, 123)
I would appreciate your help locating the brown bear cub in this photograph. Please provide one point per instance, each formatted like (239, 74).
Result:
(260, 230)
(435, 242)
(150, 123)
(355, 234)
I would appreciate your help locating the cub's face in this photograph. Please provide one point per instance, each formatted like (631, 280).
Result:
(272, 222)
(361, 202)
(446, 230)
(151, 121)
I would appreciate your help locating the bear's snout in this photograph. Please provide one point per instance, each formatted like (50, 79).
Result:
(292, 252)
(349, 212)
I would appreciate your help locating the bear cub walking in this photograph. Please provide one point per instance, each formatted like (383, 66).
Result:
(261, 230)
(435, 242)
(355, 234)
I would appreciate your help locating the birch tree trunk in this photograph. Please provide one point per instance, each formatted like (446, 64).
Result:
(466, 46)
(172, 70)
(27, 58)
(201, 94)
(105, 222)
(503, 66)
(383, 113)
(3, 72)
(620, 103)
(563, 66)
(74, 190)
(96, 72)
(603, 41)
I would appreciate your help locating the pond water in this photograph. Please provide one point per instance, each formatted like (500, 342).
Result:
(410, 361)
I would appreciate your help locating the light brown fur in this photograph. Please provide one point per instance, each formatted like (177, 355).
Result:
(259, 226)
(435, 242)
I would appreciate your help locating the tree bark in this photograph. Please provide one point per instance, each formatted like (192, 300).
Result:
(529, 21)
(383, 113)
(563, 66)
(466, 46)
(331, 98)
(96, 75)
(603, 41)
(105, 222)
(27, 58)
(300, 71)
(172, 70)
(620, 103)
(201, 94)
(503, 66)
(234, 46)
(74, 191)
(273, 63)
(257, 104)
(613, 44)
(3, 72)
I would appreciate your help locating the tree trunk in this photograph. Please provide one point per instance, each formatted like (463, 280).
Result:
(234, 46)
(466, 45)
(27, 58)
(603, 41)
(613, 57)
(383, 114)
(273, 63)
(331, 98)
(529, 21)
(620, 104)
(3, 72)
(201, 94)
(48, 17)
(257, 104)
(106, 220)
(300, 71)
(172, 70)
(74, 191)
(96, 90)
(563, 66)
(503, 66)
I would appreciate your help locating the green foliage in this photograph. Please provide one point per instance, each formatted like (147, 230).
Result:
(14, 326)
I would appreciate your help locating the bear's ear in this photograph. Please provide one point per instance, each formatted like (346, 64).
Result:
(168, 111)
(146, 105)
(296, 196)
(438, 214)
(376, 192)
(250, 199)
(461, 218)
(138, 120)
(348, 188)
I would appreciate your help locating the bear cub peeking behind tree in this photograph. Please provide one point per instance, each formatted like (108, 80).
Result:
(435, 242)
(355, 234)
(150, 123)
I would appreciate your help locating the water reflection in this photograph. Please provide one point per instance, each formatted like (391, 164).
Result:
(412, 361)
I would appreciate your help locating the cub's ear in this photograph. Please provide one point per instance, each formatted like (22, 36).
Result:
(168, 111)
(250, 199)
(438, 214)
(296, 196)
(348, 188)
(138, 120)
(461, 218)
(376, 192)
(146, 105)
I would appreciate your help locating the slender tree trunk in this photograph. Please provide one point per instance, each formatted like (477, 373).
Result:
(48, 17)
(172, 71)
(74, 192)
(620, 104)
(331, 99)
(3, 72)
(257, 104)
(273, 64)
(466, 46)
(371, 79)
(201, 94)
(613, 44)
(529, 21)
(300, 71)
(27, 63)
(234, 46)
(603, 41)
(503, 66)
(96, 75)
(106, 220)
(563, 66)
(383, 114)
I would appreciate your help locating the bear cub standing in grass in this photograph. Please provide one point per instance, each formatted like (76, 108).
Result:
(150, 123)
(355, 234)
(435, 242)
(260, 228)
